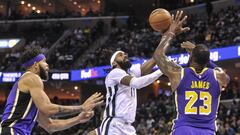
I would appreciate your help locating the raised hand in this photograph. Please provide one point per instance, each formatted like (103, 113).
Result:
(176, 26)
(93, 101)
(188, 46)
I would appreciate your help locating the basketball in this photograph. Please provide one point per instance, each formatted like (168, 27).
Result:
(160, 20)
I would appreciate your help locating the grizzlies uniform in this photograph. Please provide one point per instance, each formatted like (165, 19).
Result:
(20, 113)
(197, 98)
(121, 104)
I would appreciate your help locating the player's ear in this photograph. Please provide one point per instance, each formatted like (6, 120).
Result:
(35, 65)
(114, 64)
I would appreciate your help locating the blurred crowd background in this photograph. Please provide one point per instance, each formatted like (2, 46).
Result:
(74, 34)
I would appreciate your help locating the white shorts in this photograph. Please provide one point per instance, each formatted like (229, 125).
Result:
(115, 126)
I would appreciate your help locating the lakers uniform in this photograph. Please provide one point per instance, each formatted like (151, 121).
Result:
(197, 98)
(20, 113)
(121, 104)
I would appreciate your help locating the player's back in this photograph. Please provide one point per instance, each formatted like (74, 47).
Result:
(197, 98)
(20, 113)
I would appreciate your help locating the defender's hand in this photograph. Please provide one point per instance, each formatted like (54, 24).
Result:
(188, 46)
(93, 101)
(176, 26)
(85, 116)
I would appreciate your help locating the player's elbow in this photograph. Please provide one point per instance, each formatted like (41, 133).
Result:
(226, 81)
(49, 113)
(49, 110)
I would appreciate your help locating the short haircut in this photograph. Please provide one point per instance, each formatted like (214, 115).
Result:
(201, 55)
(29, 53)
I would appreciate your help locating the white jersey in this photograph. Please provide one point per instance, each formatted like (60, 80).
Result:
(121, 100)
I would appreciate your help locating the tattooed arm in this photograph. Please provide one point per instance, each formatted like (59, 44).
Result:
(53, 125)
(168, 67)
(34, 85)
(147, 67)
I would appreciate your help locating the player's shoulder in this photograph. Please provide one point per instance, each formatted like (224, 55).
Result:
(116, 71)
(135, 70)
(29, 79)
(114, 77)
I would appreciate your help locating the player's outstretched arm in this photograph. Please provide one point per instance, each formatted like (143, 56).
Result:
(140, 82)
(147, 67)
(168, 67)
(35, 86)
(53, 125)
(119, 76)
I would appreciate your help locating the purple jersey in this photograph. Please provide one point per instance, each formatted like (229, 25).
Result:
(20, 112)
(197, 98)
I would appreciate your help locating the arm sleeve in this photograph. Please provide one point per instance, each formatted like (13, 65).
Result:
(144, 81)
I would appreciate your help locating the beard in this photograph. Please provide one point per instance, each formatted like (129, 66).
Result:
(125, 65)
(43, 73)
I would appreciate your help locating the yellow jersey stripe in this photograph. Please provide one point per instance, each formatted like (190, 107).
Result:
(176, 103)
(182, 73)
(11, 125)
(28, 108)
(215, 74)
(12, 132)
(172, 132)
(217, 111)
(25, 114)
(36, 116)
(14, 105)
(199, 73)
(0, 129)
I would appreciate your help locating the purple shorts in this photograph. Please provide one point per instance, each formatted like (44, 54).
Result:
(188, 130)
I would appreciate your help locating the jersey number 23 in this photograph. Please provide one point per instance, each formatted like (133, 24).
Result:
(192, 97)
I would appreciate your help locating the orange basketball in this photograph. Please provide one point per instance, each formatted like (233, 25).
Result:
(160, 20)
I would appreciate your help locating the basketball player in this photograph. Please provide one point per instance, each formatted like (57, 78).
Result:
(28, 103)
(197, 88)
(121, 99)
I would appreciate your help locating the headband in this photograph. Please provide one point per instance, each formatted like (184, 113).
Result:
(114, 56)
(33, 60)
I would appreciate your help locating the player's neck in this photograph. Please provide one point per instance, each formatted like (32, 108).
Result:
(198, 68)
(121, 68)
(32, 71)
